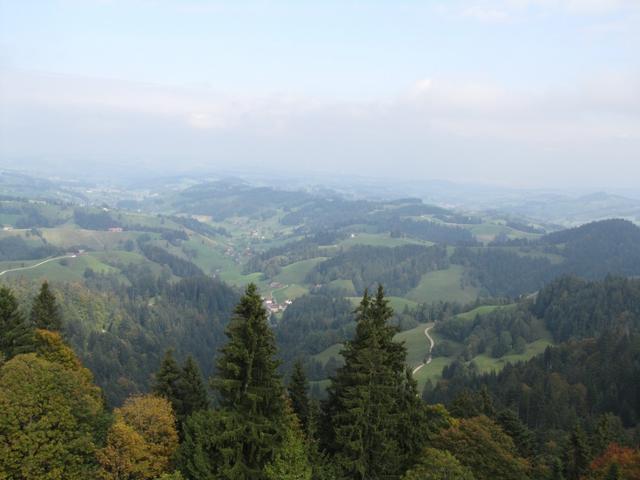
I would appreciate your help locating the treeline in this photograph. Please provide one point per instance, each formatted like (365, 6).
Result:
(428, 230)
(200, 227)
(570, 403)
(576, 308)
(92, 220)
(257, 429)
(504, 273)
(313, 323)
(222, 200)
(16, 247)
(568, 308)
(329, 213)
(271, 261)
(179, 266)
(400, 267)
(502, 331)
(591, 251)
(599, 248)
(576, 398)
(372, 425)
(31, 215)
(121, 330)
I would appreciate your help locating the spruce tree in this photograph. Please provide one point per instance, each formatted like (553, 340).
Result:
(298, 393)
(167, 381)
(191, 390)
(513, 426)
(16, 335)
(578, 454)
(368, 401)
(44, 310)
(251, 393)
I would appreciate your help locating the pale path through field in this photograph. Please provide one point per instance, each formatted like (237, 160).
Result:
(431, 344)
(36, 265)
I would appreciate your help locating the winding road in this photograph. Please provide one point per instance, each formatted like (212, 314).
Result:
(36, 265)
(431, 344)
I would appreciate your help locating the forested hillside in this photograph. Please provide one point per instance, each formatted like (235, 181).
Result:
(528, 329)
(573, 399)
(564, 414)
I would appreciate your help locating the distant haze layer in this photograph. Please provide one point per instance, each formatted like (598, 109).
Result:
(521, 93)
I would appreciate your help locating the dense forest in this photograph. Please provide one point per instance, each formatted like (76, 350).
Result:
(591, 251)
(565, 414)
(576, 398)
(534, 371)
(400, 267)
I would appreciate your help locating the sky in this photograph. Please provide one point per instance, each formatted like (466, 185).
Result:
(531, 93)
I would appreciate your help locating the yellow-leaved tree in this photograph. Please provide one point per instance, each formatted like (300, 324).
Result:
(141, 441)
(51, 414)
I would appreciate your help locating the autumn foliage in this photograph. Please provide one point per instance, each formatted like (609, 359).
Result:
(624, 460)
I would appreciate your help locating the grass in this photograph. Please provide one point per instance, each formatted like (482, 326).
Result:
(238, 279)
(68, 269)
(481, 310)
(416, 343)
(486, 232)
(289, 292)
(297, 272)
(380, 240)
(69, 235)
(210, 256)
(332, 352)
(397, 303)
(346, 285)
(487, 363)
(432, 372)
(443, 285)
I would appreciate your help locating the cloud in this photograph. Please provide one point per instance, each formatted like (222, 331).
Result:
(484, 14)
(437, 127)
(501, 11)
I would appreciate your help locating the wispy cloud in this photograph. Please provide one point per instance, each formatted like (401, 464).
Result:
(435, 126)
(486, 14)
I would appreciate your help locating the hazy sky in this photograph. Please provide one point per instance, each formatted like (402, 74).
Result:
(516, 92)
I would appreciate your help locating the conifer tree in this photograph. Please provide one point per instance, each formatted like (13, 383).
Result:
(291, 461)
(298, 393)
(45, 313)
(191, 390)
(556, 470)
(577, 454)
(16, 335)
(367, 400)
(250, 391)
(513, 426)
(167, 380)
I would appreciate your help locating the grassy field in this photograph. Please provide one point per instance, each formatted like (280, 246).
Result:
(481, 310)
(432, 372)
(289, 292)
(443, 285)
(68, 236)
(333, 351)
(346, 285)
(67, 269)
(486, 232)
(296, 272)
(416, 343)
(380, 240)
(236, 278)
(487, 363)
(397, 303)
